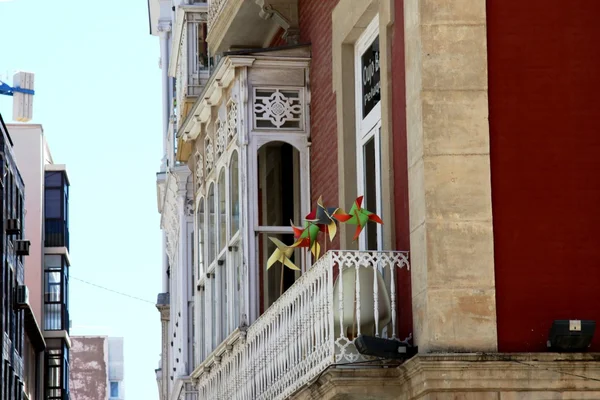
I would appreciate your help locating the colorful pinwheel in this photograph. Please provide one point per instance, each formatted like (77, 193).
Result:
(323, 216)
(358, 216)
(281, 254)
(307, 237)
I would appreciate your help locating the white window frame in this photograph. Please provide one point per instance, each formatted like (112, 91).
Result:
(299, 143)
(220, 274)
(367, 128)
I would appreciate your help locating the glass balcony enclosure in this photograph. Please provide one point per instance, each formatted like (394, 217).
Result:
(56, 209)
(56, 290)
(57, 373)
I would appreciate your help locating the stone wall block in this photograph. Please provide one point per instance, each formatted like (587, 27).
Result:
(453, 12)
(461, 320)
(461, 255)
(455, 122)
(458, 187)
(454, 57)
(416, 195)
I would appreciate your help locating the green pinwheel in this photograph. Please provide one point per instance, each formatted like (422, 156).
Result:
(307, 237)
(281, 254)
(358, 216)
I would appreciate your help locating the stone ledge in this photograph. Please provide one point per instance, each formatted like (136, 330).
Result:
(466, 376)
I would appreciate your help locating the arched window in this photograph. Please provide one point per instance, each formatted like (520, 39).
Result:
(210, 238)
(279, 201)
(222, 211)
(234, 193)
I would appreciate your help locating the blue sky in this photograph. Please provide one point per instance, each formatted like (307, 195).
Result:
(97, 86)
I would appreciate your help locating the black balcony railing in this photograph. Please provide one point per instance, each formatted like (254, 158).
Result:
(56, 317)
(57, 233)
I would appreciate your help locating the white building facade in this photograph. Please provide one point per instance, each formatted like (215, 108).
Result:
(236, 171)
(47, 269)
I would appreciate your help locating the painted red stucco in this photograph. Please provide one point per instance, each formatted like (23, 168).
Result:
(544, 85)
(400, 165)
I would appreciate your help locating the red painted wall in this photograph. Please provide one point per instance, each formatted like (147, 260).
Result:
(400, 167)
(544, 93)
(315, 28)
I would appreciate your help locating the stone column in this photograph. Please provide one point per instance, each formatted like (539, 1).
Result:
(453, 287)
(163, 307)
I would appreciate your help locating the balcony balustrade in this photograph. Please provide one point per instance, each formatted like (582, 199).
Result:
(56, 317)
(312, 326)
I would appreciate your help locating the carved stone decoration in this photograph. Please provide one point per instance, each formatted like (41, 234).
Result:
(278, 109)
(221, 138)
(170, 221)
(231, 120)
(164, 26)
(209, 154)
(214, 7)
(199, 169)
(189, 207)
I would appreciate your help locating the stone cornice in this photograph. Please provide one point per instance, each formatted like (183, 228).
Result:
(481, 372)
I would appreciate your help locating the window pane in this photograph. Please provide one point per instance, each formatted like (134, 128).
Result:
(211, 224)
(370, 185)
(234, 194)
(222, 212)
(371, 86)
(52, 203)
(238, 301)
(223, 295)
(52, 261)
(278, 177)
(273, 283)
(53, 179)
(213, 312)
(201, 326)
(200, 222)
(114, 389)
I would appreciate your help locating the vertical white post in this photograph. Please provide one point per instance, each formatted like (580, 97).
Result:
(164, 27)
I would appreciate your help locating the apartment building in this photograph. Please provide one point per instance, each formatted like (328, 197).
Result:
(18, 338)
(47, 268)
(468, 127)
(96, 368)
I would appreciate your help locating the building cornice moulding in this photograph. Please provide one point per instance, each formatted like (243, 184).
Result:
(222, 79)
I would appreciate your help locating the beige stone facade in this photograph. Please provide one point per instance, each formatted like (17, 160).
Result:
(530, 376)
(451, 238)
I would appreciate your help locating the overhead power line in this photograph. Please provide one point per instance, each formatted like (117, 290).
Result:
(113, 291)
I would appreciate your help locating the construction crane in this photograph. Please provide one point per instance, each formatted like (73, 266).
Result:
(22, 93)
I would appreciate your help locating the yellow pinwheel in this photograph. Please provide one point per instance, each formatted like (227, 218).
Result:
(282, 254)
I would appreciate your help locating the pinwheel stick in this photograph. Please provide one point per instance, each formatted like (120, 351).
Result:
(281, 284)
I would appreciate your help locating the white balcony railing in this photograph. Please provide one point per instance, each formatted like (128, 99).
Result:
(313, 325)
